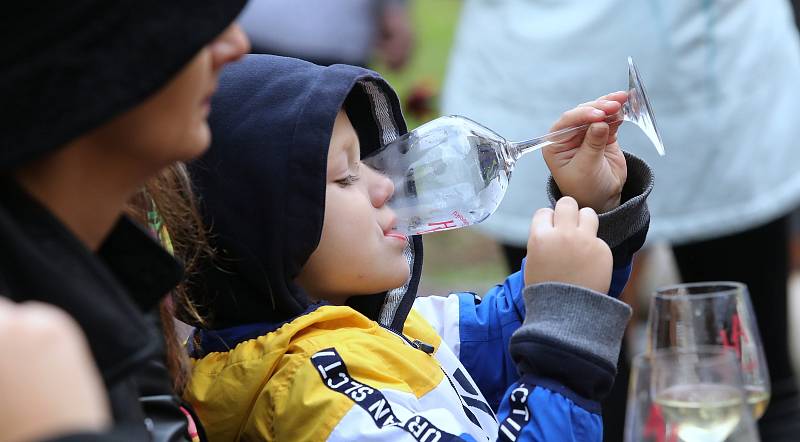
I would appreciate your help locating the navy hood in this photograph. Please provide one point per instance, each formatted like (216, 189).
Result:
(261, 185)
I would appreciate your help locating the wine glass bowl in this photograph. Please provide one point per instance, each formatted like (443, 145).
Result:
(448, 173)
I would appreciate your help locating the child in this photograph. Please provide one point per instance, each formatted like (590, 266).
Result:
(315, 331)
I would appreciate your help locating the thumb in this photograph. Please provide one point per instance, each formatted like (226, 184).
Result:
(596, 138)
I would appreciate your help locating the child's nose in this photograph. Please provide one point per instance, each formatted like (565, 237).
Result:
(381, 190)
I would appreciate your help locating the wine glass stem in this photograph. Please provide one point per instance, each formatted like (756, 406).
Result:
(534, 144)
(520, 148)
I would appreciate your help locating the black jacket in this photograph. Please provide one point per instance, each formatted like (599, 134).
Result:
(108, 293)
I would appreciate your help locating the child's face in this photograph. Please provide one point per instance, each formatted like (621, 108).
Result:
(358, 254)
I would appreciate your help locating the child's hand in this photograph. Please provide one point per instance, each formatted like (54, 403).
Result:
(590, 166)
(563, 247)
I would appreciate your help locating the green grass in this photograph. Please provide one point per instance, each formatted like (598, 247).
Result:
(460, 260)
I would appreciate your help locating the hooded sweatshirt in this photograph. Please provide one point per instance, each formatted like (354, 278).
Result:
(273, 365)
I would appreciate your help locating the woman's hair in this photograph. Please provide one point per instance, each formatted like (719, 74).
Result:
(167, 204)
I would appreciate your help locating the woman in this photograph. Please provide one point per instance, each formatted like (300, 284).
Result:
(104, 96)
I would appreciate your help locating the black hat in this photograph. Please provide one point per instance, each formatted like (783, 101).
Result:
(69, 67)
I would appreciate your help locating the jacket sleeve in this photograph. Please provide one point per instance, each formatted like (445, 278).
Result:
(479, 329)
(534, 409)
(567, 365)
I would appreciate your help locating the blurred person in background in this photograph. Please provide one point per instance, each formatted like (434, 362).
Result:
(328, 32)
(724, 79)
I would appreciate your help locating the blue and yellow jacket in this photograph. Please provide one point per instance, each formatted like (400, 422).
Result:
(334, 374)
(518, 363)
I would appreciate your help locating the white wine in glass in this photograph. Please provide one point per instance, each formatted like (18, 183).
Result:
(702, 412)
(757, 399)
(700, 392)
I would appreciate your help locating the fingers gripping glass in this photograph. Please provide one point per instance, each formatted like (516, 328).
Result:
(453, 172)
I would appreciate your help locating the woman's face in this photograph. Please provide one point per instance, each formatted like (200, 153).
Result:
(171, 124)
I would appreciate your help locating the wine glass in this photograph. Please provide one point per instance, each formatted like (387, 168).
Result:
(453, 172)
(699, 392)
(688, 316)
(658, 412)
(644, 419)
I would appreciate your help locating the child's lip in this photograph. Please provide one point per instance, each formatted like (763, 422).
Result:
(395, 235)
(390, 230)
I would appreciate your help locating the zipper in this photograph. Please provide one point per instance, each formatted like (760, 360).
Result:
(416, 343)
(428, 349)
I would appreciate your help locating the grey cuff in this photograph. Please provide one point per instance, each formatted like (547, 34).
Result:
(632, 214)
(576, 318)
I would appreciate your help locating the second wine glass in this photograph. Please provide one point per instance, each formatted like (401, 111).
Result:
(688, 316)
(679, 395)
(700, 394)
